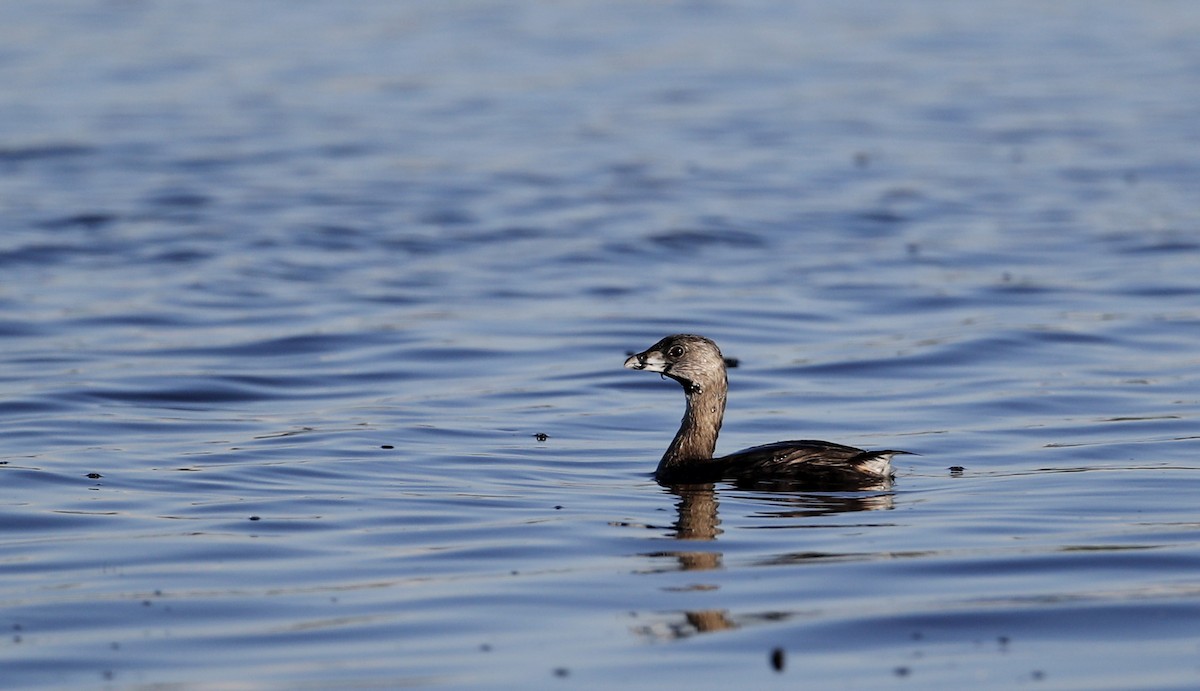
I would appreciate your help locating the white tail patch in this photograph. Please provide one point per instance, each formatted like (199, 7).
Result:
(880, 465)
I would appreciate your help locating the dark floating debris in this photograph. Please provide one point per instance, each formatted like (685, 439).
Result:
(541, 436)
(387, 446)
(902, 671)
(777, 659)
(256, 518)
(956, 470)
(562, 672)
(95, 476)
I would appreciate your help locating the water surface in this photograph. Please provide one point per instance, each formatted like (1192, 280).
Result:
(288, 291)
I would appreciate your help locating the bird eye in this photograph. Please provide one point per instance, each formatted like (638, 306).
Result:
(675, 351)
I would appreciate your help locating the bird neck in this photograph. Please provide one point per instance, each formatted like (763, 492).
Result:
(697, 436)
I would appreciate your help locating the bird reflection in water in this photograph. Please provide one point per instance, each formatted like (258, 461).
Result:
(698, 520)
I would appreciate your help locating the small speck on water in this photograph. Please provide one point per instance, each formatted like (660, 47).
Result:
(541, 436)
(256, 518)
(777, 659)
(562, 672)
(902, 671)
(95, 476)
(387, 446)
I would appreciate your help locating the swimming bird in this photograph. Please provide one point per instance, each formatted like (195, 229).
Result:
(697, 364)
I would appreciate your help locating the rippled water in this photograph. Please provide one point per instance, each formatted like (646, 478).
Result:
(288, 291)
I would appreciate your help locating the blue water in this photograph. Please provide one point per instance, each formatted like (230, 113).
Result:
(287, 291)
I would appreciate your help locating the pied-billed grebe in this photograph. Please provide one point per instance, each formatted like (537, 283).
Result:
(696, 363)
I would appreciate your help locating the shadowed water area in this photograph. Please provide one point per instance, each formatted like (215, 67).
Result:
(312, 322)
